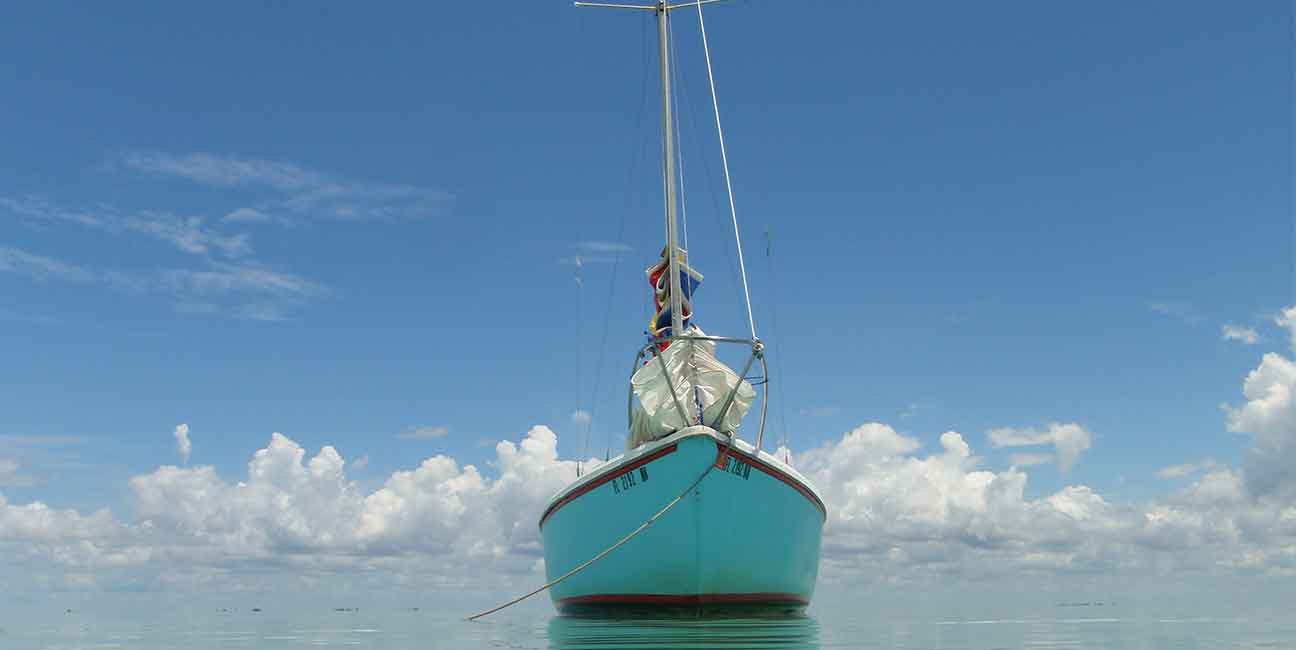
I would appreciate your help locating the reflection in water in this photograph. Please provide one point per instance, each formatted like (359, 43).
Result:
(571, 633)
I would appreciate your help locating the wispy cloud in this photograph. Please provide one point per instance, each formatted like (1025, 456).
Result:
(1247, 335)
(257, 292)
(249, 291)
(1187, 469)
(1068, 440)
(1178, 310)
(187, 234)
(604, 247)
(9, 476)
(580, 416)
(40, 267)
(424, 433)
(253, 215)
(293, 192)
(224, 280)
(225, 171)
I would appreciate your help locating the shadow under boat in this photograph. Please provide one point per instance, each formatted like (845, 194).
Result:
(655, 629)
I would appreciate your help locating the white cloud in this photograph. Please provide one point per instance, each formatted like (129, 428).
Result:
(1270, 416)
(292, 504)
(188, 234)
(581, 417)
(1187, 469)
(294, 190)
(360, 464)
(1287, 319)
(13, 260)
(1030, 460)
(1247, 335)
(424, 433)
(183, 445)
(1070, 440)
(604, 247)
(254, 290)
(37, 522)
(9, 475)
(896, 514)
(225, 171)
(244, 290)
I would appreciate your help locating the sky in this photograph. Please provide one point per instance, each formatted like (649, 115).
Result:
(288, 293)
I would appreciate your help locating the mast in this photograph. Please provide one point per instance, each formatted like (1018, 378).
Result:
(663, 8)
(668, 171)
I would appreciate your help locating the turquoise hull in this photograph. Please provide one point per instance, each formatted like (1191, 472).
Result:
(747, 536)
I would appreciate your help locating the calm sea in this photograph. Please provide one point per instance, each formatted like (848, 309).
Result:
(842, 628)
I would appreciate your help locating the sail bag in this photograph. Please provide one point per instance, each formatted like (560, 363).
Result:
(701, 384)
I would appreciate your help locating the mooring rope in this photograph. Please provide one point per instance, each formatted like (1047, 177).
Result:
(642, 527)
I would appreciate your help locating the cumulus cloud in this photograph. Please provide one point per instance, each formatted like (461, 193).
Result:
(896, 514)
(294, 504)
(1269, 415)
(1069, 440)
(898, 511)
(1287, 319)
(1240, 333)
(183, 446)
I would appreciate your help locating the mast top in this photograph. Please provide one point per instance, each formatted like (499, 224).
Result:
(658, 6)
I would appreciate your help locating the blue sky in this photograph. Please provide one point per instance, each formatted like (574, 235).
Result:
(348, 224)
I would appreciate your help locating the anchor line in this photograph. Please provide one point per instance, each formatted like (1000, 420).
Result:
(607, 551)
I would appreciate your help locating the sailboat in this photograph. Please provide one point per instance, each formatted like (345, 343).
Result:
(692, 516)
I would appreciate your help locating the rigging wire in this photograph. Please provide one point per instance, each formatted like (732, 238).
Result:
(724, 159)
(632, 193)
(691, 112)
(580, 350)
(774, 328)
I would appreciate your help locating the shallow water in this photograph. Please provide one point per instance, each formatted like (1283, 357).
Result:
(402, 629)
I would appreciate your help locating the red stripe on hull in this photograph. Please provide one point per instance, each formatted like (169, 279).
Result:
(577, 493)
(684, 599)
(774, 473)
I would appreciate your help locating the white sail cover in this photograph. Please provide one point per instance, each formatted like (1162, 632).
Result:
(700, 382)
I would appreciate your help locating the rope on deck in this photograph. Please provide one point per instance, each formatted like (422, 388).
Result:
(642, 527)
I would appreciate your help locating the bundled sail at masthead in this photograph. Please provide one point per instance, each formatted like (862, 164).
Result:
(699, 384)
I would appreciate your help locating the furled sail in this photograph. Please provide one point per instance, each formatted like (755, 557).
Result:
(683, 383)
(659, 277)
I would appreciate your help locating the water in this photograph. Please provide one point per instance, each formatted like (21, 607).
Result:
(842, 628)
